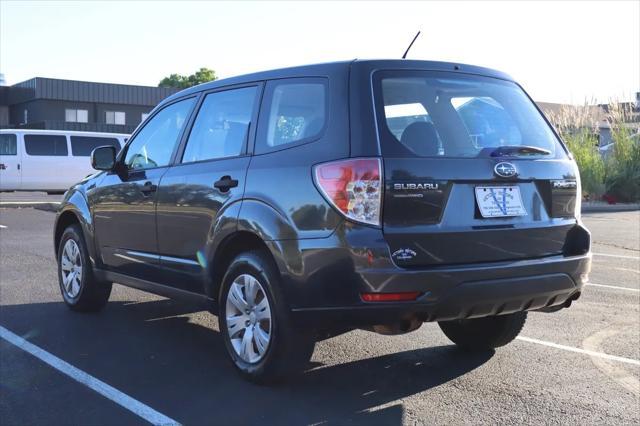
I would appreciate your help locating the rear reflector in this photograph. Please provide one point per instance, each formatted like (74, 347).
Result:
(390, 297)
(353, 186)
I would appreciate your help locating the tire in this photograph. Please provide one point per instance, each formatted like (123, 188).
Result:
(484, 333)
(286, 350)
(85, 294)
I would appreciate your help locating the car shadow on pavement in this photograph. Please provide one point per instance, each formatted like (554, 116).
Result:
(154, 352)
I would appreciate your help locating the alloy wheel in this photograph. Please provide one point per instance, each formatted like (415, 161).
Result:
(71, 265)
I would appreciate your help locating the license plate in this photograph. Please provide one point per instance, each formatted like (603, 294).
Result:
(499, 201)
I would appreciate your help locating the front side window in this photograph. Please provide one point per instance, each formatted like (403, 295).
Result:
(154, 144)
(76, 115)
(8, 144)
(296, 112)
(115, 117)
(431, 114)
(221, 128)
(82, 146)
(55, 145)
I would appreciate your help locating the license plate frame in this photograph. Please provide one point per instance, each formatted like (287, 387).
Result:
(499, 201)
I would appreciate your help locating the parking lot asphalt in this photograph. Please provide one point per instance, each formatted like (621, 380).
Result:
(577, 366)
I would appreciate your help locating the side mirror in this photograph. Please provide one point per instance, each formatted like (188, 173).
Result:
(103, 158)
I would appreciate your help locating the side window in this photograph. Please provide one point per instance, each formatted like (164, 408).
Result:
(82, 146)
(296, 111)
(55, 145)
(222, 125)
(154, 144)
(8, 144)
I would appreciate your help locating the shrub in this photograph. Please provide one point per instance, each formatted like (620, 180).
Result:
(617, 175)
(584, 147)
(622, 178)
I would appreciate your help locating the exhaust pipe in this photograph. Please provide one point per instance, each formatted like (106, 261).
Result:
(566, 304)
(401, 327)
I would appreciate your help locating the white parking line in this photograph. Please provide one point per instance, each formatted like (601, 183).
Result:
(2, 227)
(580, 351)
(122, 399)
(616, 255)
(635, 290)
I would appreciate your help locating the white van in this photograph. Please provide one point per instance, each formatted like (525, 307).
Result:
(48, 160)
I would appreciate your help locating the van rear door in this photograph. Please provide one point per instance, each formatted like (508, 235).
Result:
(45, 162)
(10, 152)
(473, 172)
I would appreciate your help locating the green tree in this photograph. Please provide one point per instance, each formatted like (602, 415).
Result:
(179, 81)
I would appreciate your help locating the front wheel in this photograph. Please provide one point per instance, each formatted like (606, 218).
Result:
(484, 333)
(80, 290)
(255, 322)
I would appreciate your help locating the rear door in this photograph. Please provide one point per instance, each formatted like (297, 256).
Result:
(473, 173)
(10, 173)
(208, 179)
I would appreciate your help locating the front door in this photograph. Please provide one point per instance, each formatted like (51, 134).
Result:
(10, 173)
(208, 179)
(125, 201)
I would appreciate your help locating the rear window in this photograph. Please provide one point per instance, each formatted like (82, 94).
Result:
(82, 146)
(55, 145)
(8, 144)
(438, 114)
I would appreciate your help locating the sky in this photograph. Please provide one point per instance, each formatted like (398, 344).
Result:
(568, 52)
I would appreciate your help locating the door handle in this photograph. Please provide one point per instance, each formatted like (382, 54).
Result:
(148, 188)
(225, 183)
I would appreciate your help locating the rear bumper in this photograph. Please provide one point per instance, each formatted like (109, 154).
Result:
(468, 299)
(326, 290)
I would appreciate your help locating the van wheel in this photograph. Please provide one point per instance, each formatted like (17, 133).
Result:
(80, 290)
(255, 322)
(484, 333)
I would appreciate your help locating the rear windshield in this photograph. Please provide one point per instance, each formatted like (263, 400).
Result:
(440, 114)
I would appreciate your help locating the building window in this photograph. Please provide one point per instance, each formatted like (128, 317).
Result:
(76, 116)
(144, 116)
(115, 117)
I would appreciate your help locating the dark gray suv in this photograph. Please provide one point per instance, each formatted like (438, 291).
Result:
(301, 203)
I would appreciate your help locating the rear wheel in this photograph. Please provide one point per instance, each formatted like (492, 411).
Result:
(255, 322)
(484, 333)
(80, 290)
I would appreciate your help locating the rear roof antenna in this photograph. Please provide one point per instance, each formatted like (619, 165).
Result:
(410, 44)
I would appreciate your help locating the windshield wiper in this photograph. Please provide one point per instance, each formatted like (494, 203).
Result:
(502, 151)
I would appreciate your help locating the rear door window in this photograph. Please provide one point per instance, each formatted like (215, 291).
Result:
(8, 144)
(53, 145)
(82, 146)
(222, 126)
(294, 112)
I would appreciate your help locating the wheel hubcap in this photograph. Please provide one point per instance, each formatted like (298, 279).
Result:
(71, 265)
(248, 318)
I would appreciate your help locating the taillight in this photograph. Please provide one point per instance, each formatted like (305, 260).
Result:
(354, 187)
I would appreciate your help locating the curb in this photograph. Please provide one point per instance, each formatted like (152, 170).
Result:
(49, 206)
(604, 208)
